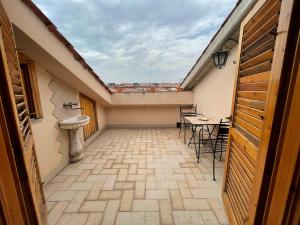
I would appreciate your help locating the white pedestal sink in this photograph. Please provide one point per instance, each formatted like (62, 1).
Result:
(72, 125)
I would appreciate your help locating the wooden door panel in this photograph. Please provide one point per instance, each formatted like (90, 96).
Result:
(261, 50)
(89, 108)
(25, 149)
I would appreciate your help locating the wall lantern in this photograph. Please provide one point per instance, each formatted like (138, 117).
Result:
(220, 57)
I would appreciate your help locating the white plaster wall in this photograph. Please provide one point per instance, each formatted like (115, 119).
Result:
(101, 116)
(51, 142)
(213, 94)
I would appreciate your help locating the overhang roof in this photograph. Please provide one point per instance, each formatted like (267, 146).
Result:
(227, 30)
(51, 27)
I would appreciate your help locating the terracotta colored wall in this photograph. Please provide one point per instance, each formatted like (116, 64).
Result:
(213, 94)
(160, 109)
(143, 116)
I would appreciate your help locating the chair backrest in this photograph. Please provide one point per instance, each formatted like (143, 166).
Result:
(223, 130)
(188, 110)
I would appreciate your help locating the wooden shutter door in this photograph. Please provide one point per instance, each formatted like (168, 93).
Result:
(89, 109)
(22, 139)
(261, 49)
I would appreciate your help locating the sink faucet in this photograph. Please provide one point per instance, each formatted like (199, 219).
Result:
(70, 106)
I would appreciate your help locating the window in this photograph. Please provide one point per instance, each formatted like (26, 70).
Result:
(30, 86)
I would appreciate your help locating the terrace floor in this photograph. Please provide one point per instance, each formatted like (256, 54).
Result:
(137, 176)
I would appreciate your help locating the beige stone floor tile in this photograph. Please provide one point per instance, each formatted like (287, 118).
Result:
(127, 200)
(177, 201)
(62, 196)
(124, 185)
(80, 186)
(196, 204)
(131, 218)
(205, 193)
(110, 195)
(95, 190)
(165, 212)
(111, 212)
(73, 219)
(137, 176)
(188, 218)
(140, 187)
(152, 218)
(76, 202)
(94, 219)
(145, 205)
(157, 194)
(56, 212)
(219, 210)
(50, 206)
(209, 218)
(93, 206)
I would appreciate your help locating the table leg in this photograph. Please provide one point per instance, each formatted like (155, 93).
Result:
(184, 138)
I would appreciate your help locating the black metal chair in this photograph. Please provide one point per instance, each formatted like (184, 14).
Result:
(190, 110)
(217, 142)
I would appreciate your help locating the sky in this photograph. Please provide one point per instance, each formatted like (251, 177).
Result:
(138, 40)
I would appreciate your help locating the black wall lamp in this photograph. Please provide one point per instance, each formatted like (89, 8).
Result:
(220, 57)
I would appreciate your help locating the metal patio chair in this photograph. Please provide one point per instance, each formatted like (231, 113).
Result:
(216, 142)
(185, 110)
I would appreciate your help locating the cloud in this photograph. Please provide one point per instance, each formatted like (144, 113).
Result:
(138, 40)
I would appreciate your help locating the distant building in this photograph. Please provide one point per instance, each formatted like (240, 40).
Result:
(144, 87)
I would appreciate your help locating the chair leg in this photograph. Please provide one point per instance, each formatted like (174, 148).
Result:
(199, 144)
(180, 130)
(180, 126)
(221, 151)
(214, 164)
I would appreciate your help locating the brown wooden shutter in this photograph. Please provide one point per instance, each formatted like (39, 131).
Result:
(261, 50)
(89, 108)
(21, 114)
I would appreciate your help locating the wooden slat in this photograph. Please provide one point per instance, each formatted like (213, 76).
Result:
(244, 173)
(257, 50)
(255, 95)
(237, 195)
(273, 9)
(243, 187)
(20, 105)
(248, 148)
(234, 205)
(255, 104)
(250, 119)
(245, 158)
(259, 86)
(268, 4)
(252, 138)
(270, 35)
(252, 129)
(263, 57)
(252, 111)
(273, 20)
(260, 77)
(17, 89)
(239, 190)
(260, 68)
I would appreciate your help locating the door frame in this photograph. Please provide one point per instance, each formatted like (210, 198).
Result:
(284, 182)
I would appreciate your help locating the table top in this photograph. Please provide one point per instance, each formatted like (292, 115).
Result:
(195, 120)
